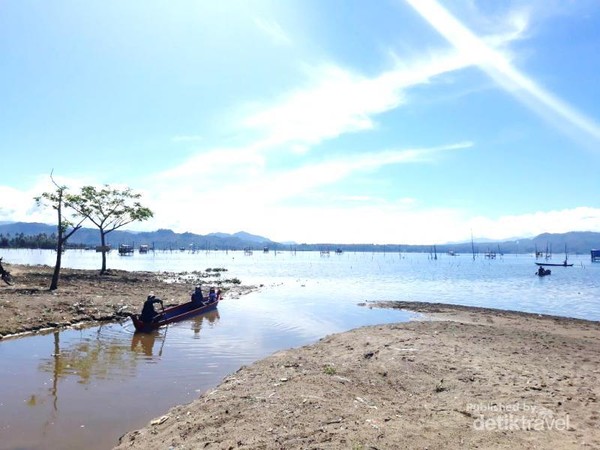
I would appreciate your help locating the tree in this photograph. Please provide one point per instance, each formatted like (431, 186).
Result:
(65, 225)
(109, 209)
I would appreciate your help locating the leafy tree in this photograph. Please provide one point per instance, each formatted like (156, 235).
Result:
(65, 224)
(109, 209)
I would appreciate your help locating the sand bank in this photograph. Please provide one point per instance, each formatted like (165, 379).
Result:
(461, 378)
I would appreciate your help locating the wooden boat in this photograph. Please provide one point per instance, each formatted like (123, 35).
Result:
(563, 264)
(173, 314)
(543, 272)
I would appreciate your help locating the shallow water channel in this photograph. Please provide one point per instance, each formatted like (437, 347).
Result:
(84, 388)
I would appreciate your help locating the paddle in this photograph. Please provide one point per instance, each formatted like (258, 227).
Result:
(163, 341)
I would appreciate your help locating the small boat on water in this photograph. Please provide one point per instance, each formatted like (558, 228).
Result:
(565, 263)
(543, 272)
(173, 314)
(562, 264)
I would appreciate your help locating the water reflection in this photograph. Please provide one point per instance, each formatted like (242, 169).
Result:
(211, 317)
(97, 356)
(144, 343)
(46, 391)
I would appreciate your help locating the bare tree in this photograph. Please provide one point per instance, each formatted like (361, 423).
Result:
(109, 209)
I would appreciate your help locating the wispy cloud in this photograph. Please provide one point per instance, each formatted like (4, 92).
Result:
(498, 66)
(276, 187)
(263, 194)
(337, 101)
(273, 30)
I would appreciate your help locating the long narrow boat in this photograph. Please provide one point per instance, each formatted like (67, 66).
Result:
(173, 314)
(564, 264)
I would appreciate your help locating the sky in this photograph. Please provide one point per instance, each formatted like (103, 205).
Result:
(386, 122)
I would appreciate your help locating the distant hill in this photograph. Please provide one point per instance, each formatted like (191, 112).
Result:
(242, 235)
(575, 242)
(160, 239)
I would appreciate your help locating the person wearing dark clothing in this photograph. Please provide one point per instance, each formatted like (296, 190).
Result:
(149, 314)
(197, 298)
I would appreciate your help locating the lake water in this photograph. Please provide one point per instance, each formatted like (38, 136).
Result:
(84, 388)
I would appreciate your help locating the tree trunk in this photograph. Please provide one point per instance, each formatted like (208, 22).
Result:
(56, 274)
(103, 243)
(59, 247)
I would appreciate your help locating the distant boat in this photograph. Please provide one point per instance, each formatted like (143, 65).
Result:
(565, 263)
(543, 272)
(125, 249)
(490, 255)
(562, 264)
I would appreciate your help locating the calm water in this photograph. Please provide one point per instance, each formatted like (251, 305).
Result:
(84, 388)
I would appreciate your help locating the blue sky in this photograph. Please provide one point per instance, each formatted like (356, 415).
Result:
(400, 121)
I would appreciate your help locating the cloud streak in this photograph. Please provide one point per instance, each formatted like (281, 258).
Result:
(337, 101)
(498, 67)
(273, 30)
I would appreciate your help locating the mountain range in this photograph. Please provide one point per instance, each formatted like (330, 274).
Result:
(574, 242)
(161, 239)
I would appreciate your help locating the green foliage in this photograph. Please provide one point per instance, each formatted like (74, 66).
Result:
(20, 240)
(65, 227)
(109, 208)
(57, 201)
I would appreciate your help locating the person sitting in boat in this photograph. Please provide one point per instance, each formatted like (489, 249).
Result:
(149, 314)
(212, 295)
(197, 297)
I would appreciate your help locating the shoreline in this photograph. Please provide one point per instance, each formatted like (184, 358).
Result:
(461, 378)
(85, 298)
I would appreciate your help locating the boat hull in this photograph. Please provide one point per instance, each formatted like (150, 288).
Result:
(554, 265)
(173, 314)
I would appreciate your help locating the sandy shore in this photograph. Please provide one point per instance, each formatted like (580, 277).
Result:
(468, 378)
(461, 378)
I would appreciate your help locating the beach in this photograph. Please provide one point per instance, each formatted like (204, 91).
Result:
(460, 377)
